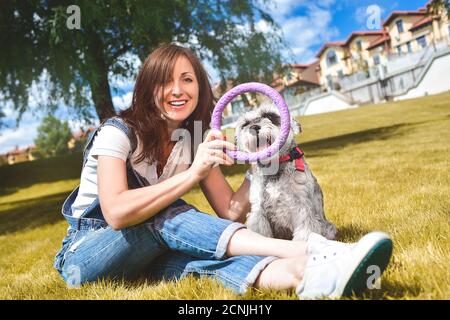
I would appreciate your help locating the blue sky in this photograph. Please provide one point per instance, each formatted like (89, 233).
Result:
(305, 24)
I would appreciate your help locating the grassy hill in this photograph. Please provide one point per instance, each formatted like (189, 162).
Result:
(383, 167)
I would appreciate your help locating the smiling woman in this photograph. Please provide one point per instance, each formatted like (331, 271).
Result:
(166, 97)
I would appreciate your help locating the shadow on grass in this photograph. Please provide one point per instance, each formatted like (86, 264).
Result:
(25, 174)
(235, 169)
(350, 233)
(30, 214)
(318, 147)
(321, 146)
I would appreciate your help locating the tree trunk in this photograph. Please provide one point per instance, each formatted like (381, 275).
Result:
(99, 84)
(101, 95)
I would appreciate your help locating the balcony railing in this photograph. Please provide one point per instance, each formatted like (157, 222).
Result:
(395, 63)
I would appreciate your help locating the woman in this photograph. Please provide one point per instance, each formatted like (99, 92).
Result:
(127, 219)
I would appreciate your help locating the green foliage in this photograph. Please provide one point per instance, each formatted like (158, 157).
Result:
(435, 7)
(76, 64)
(53, 136)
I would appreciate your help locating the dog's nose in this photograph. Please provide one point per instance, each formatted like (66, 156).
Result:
(255, 128)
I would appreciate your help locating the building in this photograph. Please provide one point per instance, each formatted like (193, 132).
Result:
(412, 31)
(398, 26)
(357, 44)
(298, 79)
(378, 50)
(237, 105)
(404, 32)
(340, 59)
(332, 63)
(20, 155)
(78, 139)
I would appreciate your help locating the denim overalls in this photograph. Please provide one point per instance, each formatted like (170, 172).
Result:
(177, 241)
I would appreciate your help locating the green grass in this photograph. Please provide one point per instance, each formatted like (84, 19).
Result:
(383, 167)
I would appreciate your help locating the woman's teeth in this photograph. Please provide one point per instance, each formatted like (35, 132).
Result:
(177, 103)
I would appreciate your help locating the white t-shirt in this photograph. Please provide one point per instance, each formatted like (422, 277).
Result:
(111, 141)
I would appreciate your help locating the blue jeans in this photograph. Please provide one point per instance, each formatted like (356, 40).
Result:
(176, 242)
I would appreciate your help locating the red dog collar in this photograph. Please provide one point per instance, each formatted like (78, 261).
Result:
(297, 155)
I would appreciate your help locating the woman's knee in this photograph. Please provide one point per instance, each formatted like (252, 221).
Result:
(109, 253)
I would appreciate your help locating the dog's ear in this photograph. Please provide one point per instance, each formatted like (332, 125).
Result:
(296, 126)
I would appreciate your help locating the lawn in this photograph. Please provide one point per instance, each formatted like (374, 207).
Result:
(383, 167)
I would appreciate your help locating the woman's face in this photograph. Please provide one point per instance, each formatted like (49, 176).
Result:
(180, 95)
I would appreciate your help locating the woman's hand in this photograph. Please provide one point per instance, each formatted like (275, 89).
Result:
(210, 153)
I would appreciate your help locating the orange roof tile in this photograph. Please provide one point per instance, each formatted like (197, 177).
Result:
(362, 34)
(378, 41)
(402, 13)
(421, 22)
(328, 45)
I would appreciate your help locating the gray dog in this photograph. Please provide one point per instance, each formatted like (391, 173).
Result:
(286, 200)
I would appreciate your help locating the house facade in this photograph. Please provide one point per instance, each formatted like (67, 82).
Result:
(412, 31)
(299, 78)
(358, 55)
(404, 32)
(18, 155)
(333, 63)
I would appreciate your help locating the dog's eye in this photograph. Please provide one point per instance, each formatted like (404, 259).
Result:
(246, 123)
(273, 117)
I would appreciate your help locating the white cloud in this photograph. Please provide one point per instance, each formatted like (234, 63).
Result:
(124, 101)
(22, 137)
(312, 29)
(280, 9)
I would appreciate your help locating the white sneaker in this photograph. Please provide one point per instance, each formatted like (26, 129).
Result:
(339, 270)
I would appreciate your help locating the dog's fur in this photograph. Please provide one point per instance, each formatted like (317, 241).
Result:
(285, 203)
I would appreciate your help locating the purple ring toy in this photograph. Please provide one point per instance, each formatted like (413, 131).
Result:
(216, 119)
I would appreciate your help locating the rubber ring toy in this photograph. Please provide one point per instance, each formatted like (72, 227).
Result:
(277, 99)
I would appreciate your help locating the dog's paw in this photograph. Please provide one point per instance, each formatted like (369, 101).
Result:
(300, 235)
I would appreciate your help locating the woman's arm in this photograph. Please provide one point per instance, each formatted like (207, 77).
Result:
(226, 203)
(122, 207)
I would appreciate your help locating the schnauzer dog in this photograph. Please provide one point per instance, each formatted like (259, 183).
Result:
(286, 200)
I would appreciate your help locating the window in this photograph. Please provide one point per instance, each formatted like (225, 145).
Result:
(422, 41)
(340, 74)
(331, 58)
(408, 44)
(359, 45)
(399, 24)
(399, 49)
(376, 60)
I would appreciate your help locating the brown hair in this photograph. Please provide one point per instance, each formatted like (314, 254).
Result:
(144, 117)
